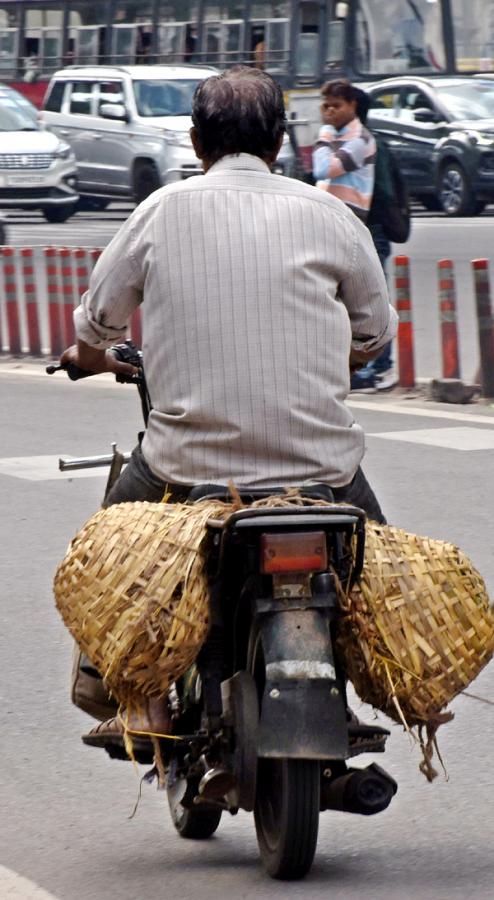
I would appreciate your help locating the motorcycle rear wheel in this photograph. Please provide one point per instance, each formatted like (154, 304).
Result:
(287, 815)
(286, 811)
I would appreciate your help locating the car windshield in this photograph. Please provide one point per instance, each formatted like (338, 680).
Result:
(13, 118)
(474, 100)
(164, 98)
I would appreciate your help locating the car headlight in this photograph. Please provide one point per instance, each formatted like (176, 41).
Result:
(178, 138)
(63, 151)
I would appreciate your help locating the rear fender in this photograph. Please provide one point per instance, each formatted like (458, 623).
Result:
(303, 711)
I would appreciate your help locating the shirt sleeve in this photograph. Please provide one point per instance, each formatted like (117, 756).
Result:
(364, 292)
(330, 161)
(115, 291)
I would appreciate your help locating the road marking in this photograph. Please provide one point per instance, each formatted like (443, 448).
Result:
(396, 408)
(15, 887)
(44, 468)
(450, 438)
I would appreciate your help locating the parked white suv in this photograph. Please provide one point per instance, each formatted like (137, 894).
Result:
(37, 169)
(129, 127)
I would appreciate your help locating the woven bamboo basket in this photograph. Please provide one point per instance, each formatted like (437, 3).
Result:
(132, 591)
(414, 633)
(417, 630)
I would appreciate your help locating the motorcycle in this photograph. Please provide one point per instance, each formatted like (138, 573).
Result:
(261, 721)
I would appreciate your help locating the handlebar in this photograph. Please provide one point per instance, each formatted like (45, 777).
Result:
(74, 372)
(126, 352)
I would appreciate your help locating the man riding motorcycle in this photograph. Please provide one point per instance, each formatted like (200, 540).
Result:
(257, 295)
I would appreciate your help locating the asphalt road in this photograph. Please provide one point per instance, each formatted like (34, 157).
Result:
(432, 238)
(65, 823)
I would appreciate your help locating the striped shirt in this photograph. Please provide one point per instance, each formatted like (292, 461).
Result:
(343, 164)
(252, 287)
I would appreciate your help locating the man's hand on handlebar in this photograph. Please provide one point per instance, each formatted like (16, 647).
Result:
(90, 359)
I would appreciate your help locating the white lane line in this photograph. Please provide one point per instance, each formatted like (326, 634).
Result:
(397, 409)
(15, 887)
(450, 438)
(44, 468)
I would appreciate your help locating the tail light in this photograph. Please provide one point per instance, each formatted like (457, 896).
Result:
(303, 551)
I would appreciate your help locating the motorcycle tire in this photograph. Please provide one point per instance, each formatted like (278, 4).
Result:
(286, 810)
(194, 823)
(286, 814)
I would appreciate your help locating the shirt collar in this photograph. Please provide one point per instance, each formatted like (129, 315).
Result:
(236, 161)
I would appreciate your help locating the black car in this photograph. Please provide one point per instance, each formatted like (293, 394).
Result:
(441, 132)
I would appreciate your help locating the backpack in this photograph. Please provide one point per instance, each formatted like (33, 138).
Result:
(390, 205)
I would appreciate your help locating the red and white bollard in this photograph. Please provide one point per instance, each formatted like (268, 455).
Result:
(406, 362)
(11, 301)
(447, 318)
(65, 256)
(31, 301)
(54, 307)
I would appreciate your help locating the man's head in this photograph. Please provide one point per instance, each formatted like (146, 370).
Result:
(239, 111)
(339, 103)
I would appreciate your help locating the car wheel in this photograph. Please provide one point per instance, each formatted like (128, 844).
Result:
(58, 213)
(455, 195)
(146, 180)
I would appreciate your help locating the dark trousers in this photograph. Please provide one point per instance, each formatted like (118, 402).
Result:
(138, 482)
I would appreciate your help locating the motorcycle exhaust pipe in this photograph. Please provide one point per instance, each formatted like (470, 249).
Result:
(364, 791)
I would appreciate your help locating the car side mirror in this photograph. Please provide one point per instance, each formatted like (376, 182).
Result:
(114, 111)
(424, 114)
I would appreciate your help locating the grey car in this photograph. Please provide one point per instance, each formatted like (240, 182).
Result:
(441, 132)
(129, 127)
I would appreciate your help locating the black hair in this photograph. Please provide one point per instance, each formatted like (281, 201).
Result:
(363, 104)
(340, 87)
(239, 111)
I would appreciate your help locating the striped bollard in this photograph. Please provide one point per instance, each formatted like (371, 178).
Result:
(54, 310)
(11, 301)
(485, 324)
(32, 316)
(65, 256)
(406, 362)
(447, 317)
(82, 266)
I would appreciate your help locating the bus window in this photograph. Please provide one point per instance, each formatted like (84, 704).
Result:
(474, 29)
(308, 43)
(269, 36)
(132, 32)
(87, 33)
(399, 36)
(223, 33)
(123, 44)
(42, 51)
(171, 42)
(9, 41)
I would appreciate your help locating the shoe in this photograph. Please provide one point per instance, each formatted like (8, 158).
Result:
(153, 718)
(386, 381)
(362, 384)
